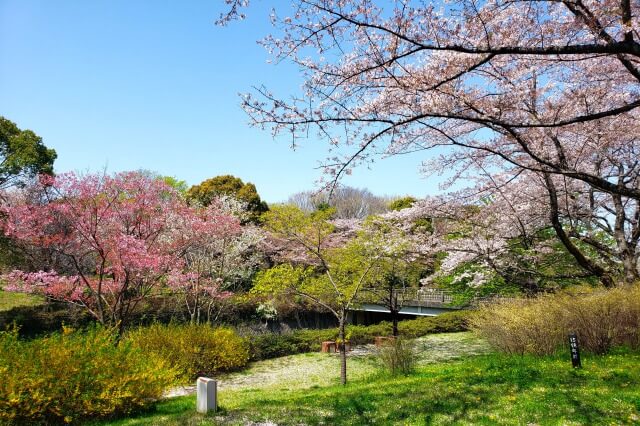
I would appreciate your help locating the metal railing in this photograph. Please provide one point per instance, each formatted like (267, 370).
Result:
(439, 297)
(424, 295)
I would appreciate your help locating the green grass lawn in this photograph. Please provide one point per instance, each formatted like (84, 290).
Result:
(473, 389)
(9, 300)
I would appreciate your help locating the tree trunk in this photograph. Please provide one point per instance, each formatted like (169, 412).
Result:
(578, 255)
(343, 350)
(394, 320)
(394, 312)
(630, 268)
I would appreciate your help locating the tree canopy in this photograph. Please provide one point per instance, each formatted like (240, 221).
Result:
(22, 155)
(229, 185)
(347, 202)
(121, 236)
(502, 94)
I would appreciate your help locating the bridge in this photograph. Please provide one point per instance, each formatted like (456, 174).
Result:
(418, 302)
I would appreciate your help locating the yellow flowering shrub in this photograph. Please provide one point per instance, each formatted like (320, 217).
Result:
(195, 350)
(70, 376)
(602, 319)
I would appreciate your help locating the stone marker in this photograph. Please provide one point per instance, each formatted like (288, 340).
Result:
(207, 395)
(575, 350)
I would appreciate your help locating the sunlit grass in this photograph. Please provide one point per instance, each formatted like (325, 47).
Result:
(10, 300)
(476, 389)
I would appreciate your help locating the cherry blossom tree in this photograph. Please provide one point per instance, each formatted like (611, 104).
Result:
(220, 263)
(505, 231)
(121, 235)
(550, 88)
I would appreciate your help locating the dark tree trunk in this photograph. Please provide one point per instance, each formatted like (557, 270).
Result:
(394, 319)
(578, 255)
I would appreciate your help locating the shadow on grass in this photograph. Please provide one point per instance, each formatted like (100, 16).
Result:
(489, 389)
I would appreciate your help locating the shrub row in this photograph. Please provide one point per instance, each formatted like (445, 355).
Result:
(195, 350)
(70, 376)
(601, 318)
(271, 345)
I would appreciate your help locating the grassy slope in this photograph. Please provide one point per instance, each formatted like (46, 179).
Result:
(483, 389)
(9, 300)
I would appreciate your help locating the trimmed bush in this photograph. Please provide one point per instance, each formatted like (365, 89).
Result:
(70, 376)
(195, 350)
(271, 345)
(602, 319)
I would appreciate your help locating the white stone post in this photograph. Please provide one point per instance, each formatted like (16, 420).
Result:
(207, 395)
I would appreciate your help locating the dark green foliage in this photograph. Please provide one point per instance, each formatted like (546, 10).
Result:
(271, 345)
(323, 206)
(22, 155)
(40, 319)
(229, 185)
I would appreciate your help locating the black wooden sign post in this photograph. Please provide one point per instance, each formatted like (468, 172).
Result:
(575, 351)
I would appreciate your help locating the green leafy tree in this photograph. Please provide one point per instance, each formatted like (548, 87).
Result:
(229, 185)
(402, 203)
(179, 185)
(399, 266)
(22, 155)
(331, 278)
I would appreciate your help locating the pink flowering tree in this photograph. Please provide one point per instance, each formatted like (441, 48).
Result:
(218, 262)
(121, 236)
(500, 236)
(550, 88)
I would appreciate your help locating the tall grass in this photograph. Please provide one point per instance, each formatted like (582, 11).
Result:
(602, 319)
(398, 356)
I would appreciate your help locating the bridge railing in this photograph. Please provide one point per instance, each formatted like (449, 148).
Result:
(441, 297)
(424, 295)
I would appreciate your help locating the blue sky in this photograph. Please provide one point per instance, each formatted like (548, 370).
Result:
(154, 85)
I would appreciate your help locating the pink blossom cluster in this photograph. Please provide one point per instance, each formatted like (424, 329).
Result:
(121, 233)
(49, 284)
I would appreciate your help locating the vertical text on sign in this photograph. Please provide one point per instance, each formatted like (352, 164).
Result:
(575, 350)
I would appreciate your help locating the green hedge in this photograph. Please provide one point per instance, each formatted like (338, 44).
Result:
(271, 345)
